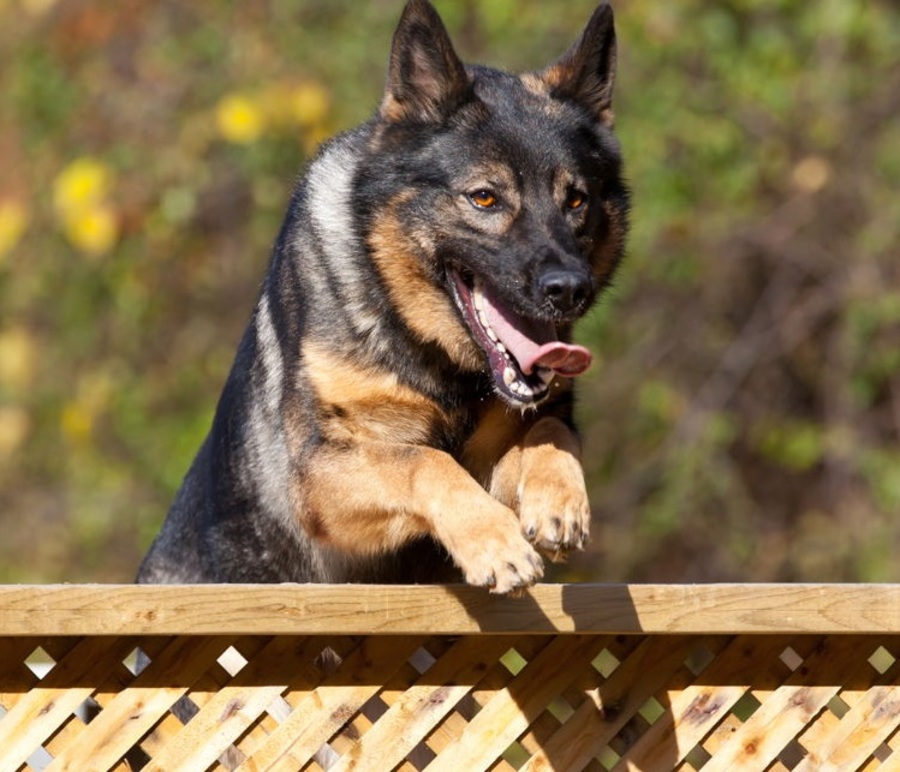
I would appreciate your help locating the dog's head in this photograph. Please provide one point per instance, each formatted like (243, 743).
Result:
(497, 210)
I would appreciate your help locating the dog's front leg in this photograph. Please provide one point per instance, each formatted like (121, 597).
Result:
(542, 479)
(375, 497)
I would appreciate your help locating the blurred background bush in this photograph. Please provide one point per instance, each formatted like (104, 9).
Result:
(743, 422)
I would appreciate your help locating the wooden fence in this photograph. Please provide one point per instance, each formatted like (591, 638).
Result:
(289, 677)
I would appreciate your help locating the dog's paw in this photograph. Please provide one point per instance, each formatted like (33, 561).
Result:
(554, 512)
(499, 558)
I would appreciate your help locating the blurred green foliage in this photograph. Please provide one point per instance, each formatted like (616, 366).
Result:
(744, 421)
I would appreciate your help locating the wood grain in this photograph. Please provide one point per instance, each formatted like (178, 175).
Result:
(534, 701)
(30, 610)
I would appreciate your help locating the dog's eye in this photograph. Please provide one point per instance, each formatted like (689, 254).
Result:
(575, 200)
(483, 199)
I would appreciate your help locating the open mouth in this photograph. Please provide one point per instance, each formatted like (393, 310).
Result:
(525, 355)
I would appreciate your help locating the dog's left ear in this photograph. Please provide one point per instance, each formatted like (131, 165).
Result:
(426, 79)
(585, 73)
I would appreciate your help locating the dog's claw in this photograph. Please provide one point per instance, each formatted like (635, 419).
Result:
(517, 592)
(555, 535)
(499, 558)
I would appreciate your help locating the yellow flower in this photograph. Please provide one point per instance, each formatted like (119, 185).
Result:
(83, 183)
(37, 7)
(81, 414)
(77, 424)
(18, 355)
(80, 195)
(309, 104)
(93, 230)
(13, 222)
(239, 119)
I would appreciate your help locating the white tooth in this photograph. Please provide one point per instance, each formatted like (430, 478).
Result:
(509, 377)
(500, 347)
(492, 335)
(482, 317)
(477, 294)
(546, 375)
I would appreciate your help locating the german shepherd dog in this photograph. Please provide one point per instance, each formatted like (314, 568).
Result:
(400, 407)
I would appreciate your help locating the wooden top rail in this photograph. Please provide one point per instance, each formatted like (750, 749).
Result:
(27, 610)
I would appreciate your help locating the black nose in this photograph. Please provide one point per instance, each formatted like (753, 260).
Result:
(566, 291)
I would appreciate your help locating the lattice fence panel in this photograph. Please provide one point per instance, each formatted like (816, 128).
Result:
(471, 702)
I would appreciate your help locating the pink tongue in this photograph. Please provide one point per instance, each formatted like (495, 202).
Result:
(564, 358)
(534, 344)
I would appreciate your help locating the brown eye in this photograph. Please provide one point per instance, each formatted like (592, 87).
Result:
(483, 199)
(575, 200)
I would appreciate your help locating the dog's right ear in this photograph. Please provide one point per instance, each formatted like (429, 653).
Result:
(426, 79)
(586, 72)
